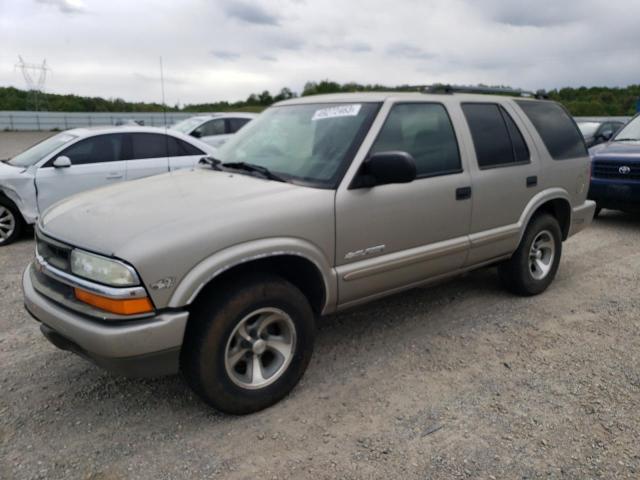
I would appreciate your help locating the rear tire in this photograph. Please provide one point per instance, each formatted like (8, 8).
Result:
(248, 344)
(535, 263)
(11, 222)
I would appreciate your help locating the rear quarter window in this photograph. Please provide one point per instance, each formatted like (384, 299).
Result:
(556, 128)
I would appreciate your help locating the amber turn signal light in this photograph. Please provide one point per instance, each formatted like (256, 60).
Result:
(127, 306)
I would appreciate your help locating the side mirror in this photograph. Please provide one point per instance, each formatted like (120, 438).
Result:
(386, 167)
(62, 162)
(196, 134)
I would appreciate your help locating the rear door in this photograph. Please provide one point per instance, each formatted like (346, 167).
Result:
(505, 178)
(182, 154)
(149, 155)
(95, 162)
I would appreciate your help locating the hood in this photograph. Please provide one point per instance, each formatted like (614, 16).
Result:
(199, 209)
(615, 149)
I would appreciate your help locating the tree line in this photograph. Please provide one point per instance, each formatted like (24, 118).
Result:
(582, 101)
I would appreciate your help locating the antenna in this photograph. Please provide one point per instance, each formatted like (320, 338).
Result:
(164, 115)
(35, 85)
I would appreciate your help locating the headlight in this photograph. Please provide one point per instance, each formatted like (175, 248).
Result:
(102, 269)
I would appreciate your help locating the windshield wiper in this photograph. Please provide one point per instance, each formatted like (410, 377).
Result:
(626, 139)
(251, 167)
(214, 163)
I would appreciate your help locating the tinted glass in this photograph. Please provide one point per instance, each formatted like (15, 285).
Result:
(180, 148)
(424, 130)
(520, 149)
(490, 135)
(148, 145)
(212, 127)
(236, 124)
(556, 128)
(98, 149)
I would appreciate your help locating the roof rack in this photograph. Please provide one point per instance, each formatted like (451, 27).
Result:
(517, 92)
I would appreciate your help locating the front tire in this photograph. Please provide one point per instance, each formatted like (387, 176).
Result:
(11, 223)
(248, 345)
(535, 263)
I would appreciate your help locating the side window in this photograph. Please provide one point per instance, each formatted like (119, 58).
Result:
(520, 149)
(425, 131)
(236, 124)
(556, 128)
(148, 145)
(98, 149)
(496, 138)
(180, 148)
(212, 127)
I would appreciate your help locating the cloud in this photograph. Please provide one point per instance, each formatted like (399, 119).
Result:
(66, 6)
(224, 55)
(249, 13)
(408, 51)
(542, 13)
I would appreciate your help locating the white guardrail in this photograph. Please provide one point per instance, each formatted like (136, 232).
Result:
(47, 121)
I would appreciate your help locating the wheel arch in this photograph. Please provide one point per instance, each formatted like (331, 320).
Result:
(555, 202)
(297, 261)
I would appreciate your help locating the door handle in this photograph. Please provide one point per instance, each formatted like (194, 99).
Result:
(532, 181)
(463, 193)
(114, 176)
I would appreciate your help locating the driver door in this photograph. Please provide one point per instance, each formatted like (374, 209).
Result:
(391, 236)
(95, 162)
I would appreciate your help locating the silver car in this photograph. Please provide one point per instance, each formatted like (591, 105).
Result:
(214, 129)
(320, 204)
(82, 159)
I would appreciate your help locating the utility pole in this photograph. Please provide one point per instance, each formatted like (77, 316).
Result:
(35, 77)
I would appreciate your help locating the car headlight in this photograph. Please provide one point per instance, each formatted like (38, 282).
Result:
(102, 270)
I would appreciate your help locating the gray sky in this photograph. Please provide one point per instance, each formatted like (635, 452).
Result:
(227, 49)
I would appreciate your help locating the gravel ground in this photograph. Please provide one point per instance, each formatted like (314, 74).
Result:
(461, 380)
(15, 142)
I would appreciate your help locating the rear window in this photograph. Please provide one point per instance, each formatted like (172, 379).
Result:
(556, 128)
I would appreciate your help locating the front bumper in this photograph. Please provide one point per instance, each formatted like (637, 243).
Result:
(144, 347)
(582, 216)
(615, 194)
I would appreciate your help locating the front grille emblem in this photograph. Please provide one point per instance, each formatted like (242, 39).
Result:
(624, 170)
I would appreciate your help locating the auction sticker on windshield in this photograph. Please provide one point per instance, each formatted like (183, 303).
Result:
(339, 111)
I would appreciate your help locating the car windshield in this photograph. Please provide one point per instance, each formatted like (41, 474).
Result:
(588, 128)
(188, 124)
(308, 144)
(631, 131)
(40, 150)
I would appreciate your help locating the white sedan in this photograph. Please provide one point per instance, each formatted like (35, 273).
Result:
(82, 159)
(214, 129)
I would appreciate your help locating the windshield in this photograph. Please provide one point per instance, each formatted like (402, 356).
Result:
(631, 131)
(310, 143)
(588, 129)
(187, 125)
(40, 150)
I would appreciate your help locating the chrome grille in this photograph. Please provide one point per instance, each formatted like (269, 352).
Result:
(616, 169)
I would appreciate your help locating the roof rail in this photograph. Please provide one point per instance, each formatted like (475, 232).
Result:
(517, 92)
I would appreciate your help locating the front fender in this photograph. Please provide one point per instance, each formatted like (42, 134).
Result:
(208, 269)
